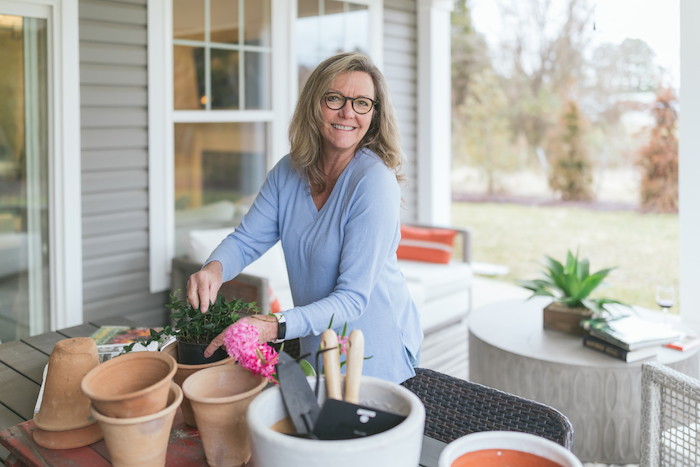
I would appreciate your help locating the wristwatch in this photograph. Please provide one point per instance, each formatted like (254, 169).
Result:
(282, 329)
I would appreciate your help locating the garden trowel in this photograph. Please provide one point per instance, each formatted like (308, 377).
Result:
(297, 395)
(346, 419)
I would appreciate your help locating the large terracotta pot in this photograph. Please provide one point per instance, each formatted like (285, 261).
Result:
(140, 441)
(183, 372)
(63, 420)
(482, 449)
(220, 397)
(131, 385)
(400, 445)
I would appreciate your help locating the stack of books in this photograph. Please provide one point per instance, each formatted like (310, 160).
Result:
(628, 338)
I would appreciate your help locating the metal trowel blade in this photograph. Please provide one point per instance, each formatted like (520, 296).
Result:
(298, 397)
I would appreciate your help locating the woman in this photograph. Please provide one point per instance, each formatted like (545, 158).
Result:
(334, 202)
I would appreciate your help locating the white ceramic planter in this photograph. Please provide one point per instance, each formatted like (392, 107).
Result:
(400, 446)
(509, 440)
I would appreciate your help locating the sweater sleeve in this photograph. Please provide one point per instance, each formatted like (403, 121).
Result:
(371, 236)
(258, 231)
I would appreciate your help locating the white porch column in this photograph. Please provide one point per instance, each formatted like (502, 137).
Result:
(689, 165)
(434, 157)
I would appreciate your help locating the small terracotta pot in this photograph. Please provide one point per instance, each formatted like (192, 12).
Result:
(475, 449)
(140, 441)
(131, 385)
(220, 397)
(183, 372)
(63, 405)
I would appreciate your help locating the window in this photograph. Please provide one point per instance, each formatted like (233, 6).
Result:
(328, 27)
(221, 110)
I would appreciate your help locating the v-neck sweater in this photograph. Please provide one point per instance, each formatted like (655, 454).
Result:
(341, 260)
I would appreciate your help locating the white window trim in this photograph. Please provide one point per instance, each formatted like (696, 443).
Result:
(435, 122)
(65, 225)
(689, 165)
(161, 117)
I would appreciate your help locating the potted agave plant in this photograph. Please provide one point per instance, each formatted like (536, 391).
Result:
(571, 286)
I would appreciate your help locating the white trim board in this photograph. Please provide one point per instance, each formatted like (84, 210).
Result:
(65, 210)
(689, 165)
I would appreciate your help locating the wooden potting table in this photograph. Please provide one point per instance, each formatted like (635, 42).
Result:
(22, 364)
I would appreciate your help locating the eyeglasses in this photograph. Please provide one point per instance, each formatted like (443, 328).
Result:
(336, 101)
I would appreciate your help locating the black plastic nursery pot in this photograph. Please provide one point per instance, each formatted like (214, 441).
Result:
(193, 354)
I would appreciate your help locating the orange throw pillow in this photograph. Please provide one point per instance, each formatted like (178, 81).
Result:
(275, 306)
(426, 244)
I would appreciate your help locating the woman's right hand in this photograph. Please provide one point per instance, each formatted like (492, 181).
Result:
(203, 286)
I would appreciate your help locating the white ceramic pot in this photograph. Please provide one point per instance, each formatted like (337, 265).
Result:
(508, 440)
(400, 446)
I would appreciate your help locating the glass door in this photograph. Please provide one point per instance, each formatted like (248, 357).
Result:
(24, 213)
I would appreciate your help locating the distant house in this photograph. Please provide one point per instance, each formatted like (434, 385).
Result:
(125, 123)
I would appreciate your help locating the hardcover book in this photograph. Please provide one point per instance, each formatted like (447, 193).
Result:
(628, 356)
(630, 332)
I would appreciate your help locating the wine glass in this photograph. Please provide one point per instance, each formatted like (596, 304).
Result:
(665, 298)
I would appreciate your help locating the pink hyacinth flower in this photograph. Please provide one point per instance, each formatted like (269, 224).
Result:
(243, 345)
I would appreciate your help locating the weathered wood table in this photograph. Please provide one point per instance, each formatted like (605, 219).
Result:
(22, 364)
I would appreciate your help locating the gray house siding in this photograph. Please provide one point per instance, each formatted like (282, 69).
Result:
(400, 69)
(114, 139)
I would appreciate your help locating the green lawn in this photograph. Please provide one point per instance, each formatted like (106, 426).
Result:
(644, 246)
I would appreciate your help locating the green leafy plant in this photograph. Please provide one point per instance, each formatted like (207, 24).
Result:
(193, 326)
(570, 284)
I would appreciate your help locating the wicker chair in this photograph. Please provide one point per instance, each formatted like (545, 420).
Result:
(455, 407)
(670, 425)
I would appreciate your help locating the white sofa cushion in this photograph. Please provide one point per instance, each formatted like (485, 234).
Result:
(438, 280)
(200, 243)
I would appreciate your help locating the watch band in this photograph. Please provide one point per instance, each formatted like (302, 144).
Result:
(282, 329)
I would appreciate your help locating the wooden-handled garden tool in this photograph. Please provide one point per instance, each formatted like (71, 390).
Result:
(346, 419)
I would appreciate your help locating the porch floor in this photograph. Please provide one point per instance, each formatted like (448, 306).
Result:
(447, 351)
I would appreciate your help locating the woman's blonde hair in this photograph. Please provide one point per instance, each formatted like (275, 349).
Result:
(305, 138)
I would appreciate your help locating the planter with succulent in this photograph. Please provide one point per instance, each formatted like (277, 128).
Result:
(571, 286)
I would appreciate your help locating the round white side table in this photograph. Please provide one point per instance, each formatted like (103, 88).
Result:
(601, 395)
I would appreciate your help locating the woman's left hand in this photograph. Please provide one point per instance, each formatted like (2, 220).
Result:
(267, 325)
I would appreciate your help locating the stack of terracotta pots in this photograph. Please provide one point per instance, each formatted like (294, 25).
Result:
(64, 420)
(134, 401)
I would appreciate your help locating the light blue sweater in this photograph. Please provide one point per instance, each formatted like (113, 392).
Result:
(341, 260)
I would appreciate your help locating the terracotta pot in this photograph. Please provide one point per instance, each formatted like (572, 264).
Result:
(475, 450)
(400, 445)
(140, 441)
(68, 439)
(63, 405)
(183, 372)
(560, 317)
(130, 385)
(220, 397)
